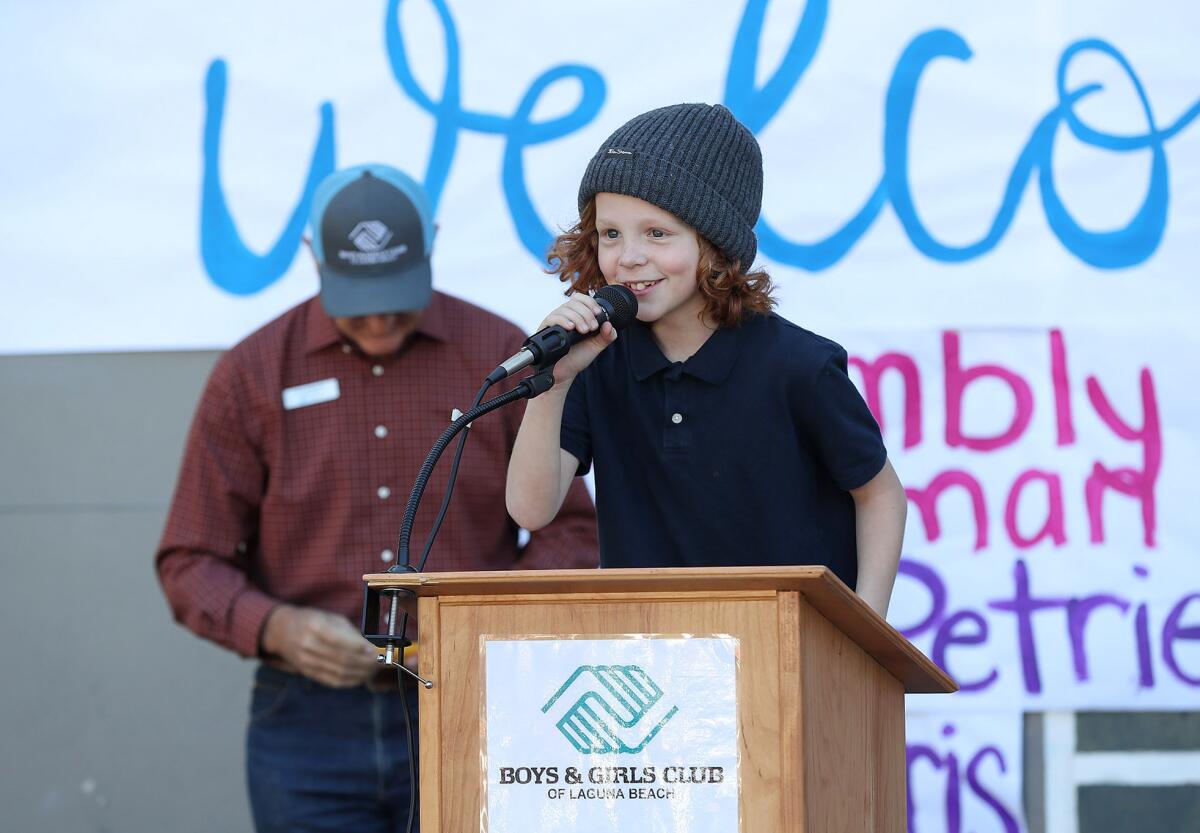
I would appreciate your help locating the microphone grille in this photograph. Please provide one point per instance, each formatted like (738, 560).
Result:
(624, 304)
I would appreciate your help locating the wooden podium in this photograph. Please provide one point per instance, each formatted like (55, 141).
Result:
(819, 689)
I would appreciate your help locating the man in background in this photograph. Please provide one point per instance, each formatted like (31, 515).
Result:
(305, 443)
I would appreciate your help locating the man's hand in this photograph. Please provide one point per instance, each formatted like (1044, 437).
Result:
(320, 645)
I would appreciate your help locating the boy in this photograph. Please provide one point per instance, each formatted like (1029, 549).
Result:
(722, 433)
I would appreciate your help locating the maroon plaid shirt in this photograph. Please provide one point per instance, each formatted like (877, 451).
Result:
(294, 504)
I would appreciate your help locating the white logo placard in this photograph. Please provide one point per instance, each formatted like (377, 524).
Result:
(611, 735)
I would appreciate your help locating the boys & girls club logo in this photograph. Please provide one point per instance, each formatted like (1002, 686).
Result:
(370, 239)
(370, 235)
(614, 709)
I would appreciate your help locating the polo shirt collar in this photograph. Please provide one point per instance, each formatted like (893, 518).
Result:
(711, 363)
(320, 331)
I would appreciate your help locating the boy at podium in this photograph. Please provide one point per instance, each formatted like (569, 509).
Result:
(722, 433)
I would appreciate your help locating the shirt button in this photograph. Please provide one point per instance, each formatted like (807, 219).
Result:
(381, 431)
(386, 555)
(384, 492)
(676, 418)
(377, 370)
(346, 348)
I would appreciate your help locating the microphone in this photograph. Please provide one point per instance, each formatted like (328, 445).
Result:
(545, 347)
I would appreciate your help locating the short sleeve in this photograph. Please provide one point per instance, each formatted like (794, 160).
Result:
(575, 437)
(840, 426)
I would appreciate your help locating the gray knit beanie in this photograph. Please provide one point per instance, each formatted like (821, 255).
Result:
(696, 161)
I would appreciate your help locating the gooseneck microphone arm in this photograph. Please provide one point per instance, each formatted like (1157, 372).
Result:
(542, 350)
(527, 389)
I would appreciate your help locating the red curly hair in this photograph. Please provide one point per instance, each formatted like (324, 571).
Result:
(730, 294)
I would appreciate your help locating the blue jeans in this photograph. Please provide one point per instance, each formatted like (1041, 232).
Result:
(327, 759)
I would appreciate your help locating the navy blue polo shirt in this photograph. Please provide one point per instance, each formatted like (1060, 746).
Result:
(743, 454)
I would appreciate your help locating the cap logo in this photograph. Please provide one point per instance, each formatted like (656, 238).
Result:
(370, 235)
(618, 153)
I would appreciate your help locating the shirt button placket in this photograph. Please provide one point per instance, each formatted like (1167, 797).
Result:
(673, 409)
(387, 555)
(675, 428)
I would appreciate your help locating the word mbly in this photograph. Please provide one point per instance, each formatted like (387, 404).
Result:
(1035, 482)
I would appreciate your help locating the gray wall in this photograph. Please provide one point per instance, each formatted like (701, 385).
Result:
(114, 718)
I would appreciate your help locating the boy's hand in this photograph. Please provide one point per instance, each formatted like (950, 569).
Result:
(579, 314)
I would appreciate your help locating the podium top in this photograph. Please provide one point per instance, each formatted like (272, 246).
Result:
(821, 589)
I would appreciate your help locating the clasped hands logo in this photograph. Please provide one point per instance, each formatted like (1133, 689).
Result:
(612, 706)
(370, 235)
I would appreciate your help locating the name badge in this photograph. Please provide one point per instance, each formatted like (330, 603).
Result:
(314, 393)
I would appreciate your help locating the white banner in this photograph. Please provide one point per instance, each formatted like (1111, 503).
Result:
(928, 164)
(964, 773)
(611, 734)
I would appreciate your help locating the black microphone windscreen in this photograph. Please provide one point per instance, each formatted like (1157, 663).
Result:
(624, 304)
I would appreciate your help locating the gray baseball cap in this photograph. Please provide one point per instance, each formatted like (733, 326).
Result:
(372, 234)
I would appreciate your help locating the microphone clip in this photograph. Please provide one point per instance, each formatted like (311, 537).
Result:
(538, 383)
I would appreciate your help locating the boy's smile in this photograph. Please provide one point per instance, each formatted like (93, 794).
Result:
(640, 288)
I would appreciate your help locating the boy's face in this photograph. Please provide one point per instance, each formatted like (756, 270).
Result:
(653, 253)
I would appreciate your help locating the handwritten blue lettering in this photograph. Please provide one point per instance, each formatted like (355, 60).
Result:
(235, 268)
(228, 261)
(1124, 247)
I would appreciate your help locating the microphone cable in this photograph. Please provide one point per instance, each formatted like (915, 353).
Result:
(622, 306)
(626, 310)
(412, 750)
(458, 452)
(437, 524)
